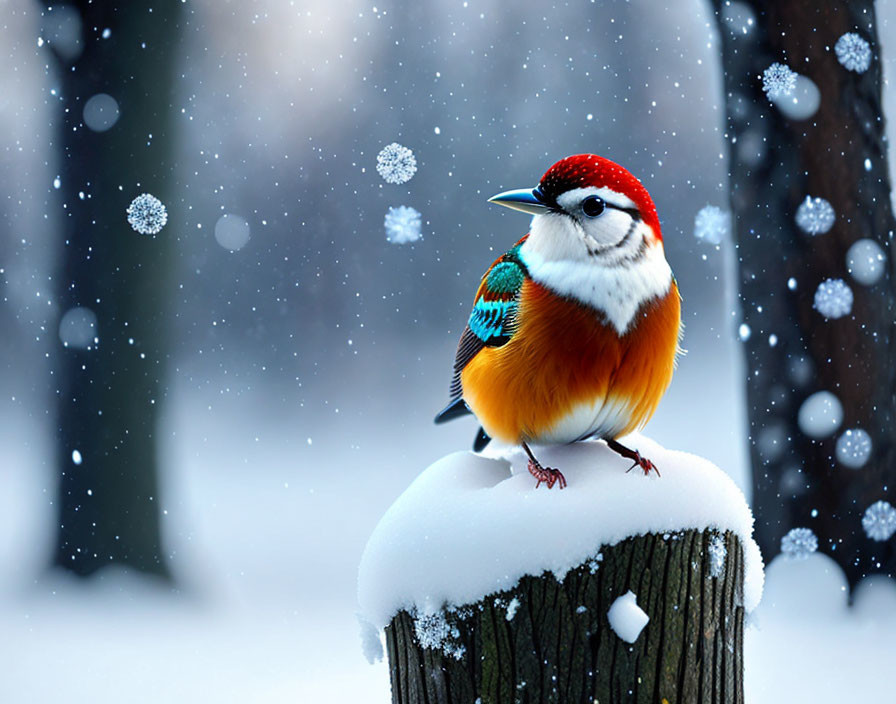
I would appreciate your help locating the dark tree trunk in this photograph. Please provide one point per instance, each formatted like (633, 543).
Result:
(775, 164)
(557, 646)
(109, 397)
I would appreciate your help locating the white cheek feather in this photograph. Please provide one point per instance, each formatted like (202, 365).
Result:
(554, 236)
(616, 283)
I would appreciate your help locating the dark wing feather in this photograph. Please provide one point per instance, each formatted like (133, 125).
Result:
(457, 408)
(469, 346)
(481, 440)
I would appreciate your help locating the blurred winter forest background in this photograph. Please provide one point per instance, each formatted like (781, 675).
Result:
(302, 355)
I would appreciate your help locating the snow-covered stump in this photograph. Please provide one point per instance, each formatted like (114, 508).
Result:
(619, 588)
(551, 641)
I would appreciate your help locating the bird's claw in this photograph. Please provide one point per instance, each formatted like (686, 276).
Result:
(548, 475)
(645, 464)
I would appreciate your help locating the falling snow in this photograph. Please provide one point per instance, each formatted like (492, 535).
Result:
(879, 521)
(803, 103)
(815, 216)
(820, 414)
(865, 261)
(853, 52)
(712, 224)
(147, 214)
(778, 80)
(799, 543)
(232, 232)
(78, 328)
(396, 163)
(833, 298)
(100, 112)
(512, 609)
(403, 225)
(854, 448)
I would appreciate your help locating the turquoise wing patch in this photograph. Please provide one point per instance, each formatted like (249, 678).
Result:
(492, 321)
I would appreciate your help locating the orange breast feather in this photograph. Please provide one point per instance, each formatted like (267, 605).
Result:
(563, 355)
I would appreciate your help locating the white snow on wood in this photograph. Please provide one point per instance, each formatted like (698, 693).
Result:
(512, 608)
(433, 631)
(626, 618)
(472, 525)
(717, 553)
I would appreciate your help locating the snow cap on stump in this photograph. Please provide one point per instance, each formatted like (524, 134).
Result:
(471, 525)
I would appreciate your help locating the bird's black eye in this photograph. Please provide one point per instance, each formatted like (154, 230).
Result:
(592, 206)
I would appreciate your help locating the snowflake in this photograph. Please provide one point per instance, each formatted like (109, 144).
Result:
(815, 216)
(820, 414)
(833, 298)
(879, 521)
(717, 554)
(778, 81)
(866, 261)
(396, 163)
(853, 52)
(147, 214)
(854, 448)
(402, 225)
(434, 632)
(712, 224)
(799, 543)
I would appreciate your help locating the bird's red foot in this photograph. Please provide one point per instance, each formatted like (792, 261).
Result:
(548, 475)
(645, 464)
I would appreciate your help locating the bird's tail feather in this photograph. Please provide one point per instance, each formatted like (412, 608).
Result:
(456, 409)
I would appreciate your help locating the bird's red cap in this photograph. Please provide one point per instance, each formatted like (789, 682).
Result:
(584, 170)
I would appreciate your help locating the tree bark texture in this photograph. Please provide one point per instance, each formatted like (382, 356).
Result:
(109, 397)
(838, 154)
(549, 641)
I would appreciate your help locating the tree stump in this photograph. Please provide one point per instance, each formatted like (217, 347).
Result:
(549, 639)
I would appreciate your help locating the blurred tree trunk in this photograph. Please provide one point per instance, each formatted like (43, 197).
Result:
(838, 154)
(109, 397)
(550, 642)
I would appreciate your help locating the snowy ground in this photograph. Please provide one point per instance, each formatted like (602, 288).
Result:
(266, 532)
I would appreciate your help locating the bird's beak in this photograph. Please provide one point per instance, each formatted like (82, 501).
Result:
(524, 199)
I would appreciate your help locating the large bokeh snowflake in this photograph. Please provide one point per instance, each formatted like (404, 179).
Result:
(403, 225)
(853, 448)
(833, 298)
(866, 261)
(396, 163)
(815, 216)
(879, 521)
(778, 80)
(853, 52)
(712, 224)
(799, 543)
(147, 214)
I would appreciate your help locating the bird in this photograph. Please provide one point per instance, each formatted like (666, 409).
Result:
(575, 331)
